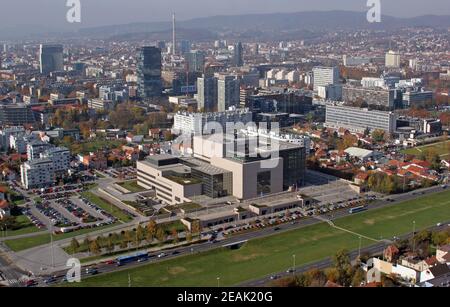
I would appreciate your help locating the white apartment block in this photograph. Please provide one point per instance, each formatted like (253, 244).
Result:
(6, 133)
(195, 123)
(324, 76)
(359, 119)
(392, 59)
(42, 172)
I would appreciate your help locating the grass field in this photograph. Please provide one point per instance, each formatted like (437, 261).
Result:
(441, 148)
(131, 186)
(264, 256)
(25, 227)
(18, 245)
(107, 206)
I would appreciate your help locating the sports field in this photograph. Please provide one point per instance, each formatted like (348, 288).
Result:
(264, 256)
(441, 148)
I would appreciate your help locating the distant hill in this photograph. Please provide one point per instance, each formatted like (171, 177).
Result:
(259, 25)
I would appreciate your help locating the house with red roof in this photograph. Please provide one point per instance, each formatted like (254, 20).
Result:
(4, 209)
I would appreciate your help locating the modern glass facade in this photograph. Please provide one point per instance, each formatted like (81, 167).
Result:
(149, 72)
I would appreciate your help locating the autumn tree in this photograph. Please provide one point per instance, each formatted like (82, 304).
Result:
(151, 231)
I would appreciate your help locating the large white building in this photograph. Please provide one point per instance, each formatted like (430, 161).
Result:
(6, 133)
(392, 59)
(42, 172)
(195, 123)
(359, 119)
(324, 76)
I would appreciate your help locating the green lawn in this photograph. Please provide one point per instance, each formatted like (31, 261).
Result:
(264, 256)
(30, 242)
(131, 186)
(440, 148)
(107, 206)
(25, 227)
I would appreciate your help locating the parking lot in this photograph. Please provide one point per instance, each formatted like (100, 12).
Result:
(123, 173)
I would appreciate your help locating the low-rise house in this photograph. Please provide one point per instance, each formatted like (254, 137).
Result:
(5, 210)
(434, 272)
(94, 161)
(391, 253)
(443, 254)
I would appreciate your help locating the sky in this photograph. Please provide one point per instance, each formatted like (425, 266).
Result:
(52, 13)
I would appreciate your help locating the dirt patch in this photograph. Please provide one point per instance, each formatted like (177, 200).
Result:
(176, 270)
(369, 222)
(241, 257)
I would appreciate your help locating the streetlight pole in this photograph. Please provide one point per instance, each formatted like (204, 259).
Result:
(218, 282)
(293, 266)
(414, 235)
(359, 248)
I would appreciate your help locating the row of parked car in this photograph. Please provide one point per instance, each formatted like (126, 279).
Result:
(55, 217)
(98, 209)
(36, 222)
(76, 211)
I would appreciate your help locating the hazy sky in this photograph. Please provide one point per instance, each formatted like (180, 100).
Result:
(51, 13)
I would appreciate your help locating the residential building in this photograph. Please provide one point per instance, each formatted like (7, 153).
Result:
(372, 96)
(195, 61)
(16, 114)
(324, 76)
(207, 93)
(228, 92)
(196, 123)
(392, 59)
(358, 119)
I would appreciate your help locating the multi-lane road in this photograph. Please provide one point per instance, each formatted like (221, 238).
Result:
(202, 247)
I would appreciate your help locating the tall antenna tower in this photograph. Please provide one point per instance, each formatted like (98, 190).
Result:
(174, 36)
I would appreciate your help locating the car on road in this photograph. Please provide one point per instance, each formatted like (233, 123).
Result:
(50, 280)
(162, 255)
(92, 271)
(273, 277)
(276, 229)
(290, 271)
(30, 283)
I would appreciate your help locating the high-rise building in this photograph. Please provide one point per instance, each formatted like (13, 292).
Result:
(207, 93)
(195, 61)
(149, 72)
(51, 58)
(324, 76)
(392, 59)
(238, 55)
(228, 92)
(185, 46)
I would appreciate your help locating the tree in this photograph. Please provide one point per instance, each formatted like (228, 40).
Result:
(94, 247)
(188, 236)
(358, 277)
(341, 262)
(317, 278)
(140, 233)
(74, 245)
(440, 238)
(151, 231)
(378, 135)
(174, 233)
(160, 234)
(110, 245)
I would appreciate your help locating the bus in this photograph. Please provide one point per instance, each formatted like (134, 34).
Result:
(132, 258)
(357, 209)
